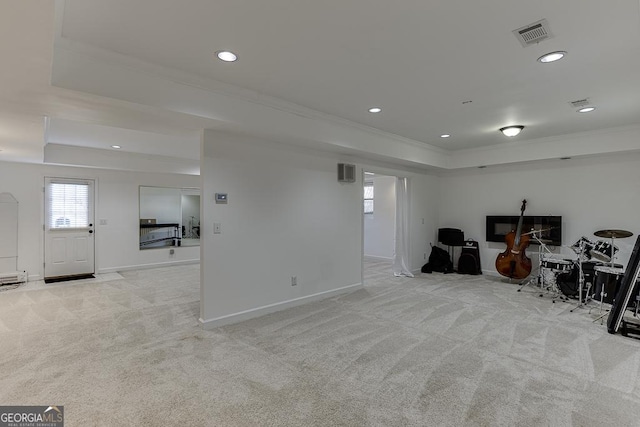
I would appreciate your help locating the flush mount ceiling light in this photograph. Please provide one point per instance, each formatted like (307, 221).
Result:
(375, 109)
(511, 130)
(226, 56)
(116, 146)
(445, 135)
(586, 109)
(552, 56)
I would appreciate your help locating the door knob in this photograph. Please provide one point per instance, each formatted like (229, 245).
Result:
(90, 231)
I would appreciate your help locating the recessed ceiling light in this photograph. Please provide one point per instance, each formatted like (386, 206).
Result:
(586, 109)
(226, 56)
(511, 130)
(115, 146)
(445, 135)
(375, 109)
(552, 56)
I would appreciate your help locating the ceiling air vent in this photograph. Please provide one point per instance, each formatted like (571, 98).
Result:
(580, 103)
(533, 33)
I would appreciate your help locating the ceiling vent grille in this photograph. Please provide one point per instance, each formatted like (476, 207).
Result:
(579, 103)
(533, 33)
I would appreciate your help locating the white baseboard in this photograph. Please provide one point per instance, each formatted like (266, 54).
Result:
(271, 308)
(33, 277)
(377, 258)
(147, 266)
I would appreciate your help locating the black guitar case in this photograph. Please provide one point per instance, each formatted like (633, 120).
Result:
(626, 290)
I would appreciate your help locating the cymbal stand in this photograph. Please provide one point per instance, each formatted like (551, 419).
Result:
(600, 313)
(613, 252)
(580, 277)
(539, 278)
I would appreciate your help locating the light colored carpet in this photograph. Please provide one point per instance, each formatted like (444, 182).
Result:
(435, 350)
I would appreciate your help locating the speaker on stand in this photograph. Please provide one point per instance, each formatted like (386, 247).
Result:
(451, 237)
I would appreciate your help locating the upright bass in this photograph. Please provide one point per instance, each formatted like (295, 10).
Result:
(513, 262)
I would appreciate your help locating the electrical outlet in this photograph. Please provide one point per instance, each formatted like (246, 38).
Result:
(172, 251)
(294, 281)
(216, 228)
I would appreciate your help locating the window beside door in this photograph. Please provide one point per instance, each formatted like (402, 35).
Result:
(368, 197)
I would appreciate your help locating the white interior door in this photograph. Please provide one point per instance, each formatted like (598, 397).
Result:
(68, 229)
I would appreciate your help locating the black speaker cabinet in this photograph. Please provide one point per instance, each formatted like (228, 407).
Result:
(451, 236)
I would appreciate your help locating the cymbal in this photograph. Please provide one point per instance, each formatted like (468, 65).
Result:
(537, 231)
(617, 234)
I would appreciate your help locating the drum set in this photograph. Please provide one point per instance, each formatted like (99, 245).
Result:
(594, 275)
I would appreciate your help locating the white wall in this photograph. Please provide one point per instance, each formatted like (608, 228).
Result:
(379, 227)
(590, 194)
(287, 216)
(117, 242)
(424, 216)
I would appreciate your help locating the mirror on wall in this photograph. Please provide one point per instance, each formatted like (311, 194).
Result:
(169, 217)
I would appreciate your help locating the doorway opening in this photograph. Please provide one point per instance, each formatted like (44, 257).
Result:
(385, 224)
(379, 212)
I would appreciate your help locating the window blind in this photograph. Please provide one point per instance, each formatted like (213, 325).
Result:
(68, 205)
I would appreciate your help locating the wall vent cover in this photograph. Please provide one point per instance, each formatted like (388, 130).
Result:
(346, 172)
(533, 33)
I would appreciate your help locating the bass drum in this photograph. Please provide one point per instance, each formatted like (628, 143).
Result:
(569, 282)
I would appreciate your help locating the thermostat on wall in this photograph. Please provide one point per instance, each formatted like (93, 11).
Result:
(221, 197)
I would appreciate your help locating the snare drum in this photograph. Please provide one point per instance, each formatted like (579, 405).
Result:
(555, 264)
(603, 251)
(607, 283)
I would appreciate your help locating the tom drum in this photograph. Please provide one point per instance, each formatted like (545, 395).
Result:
(587, 246)
(603, 251)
